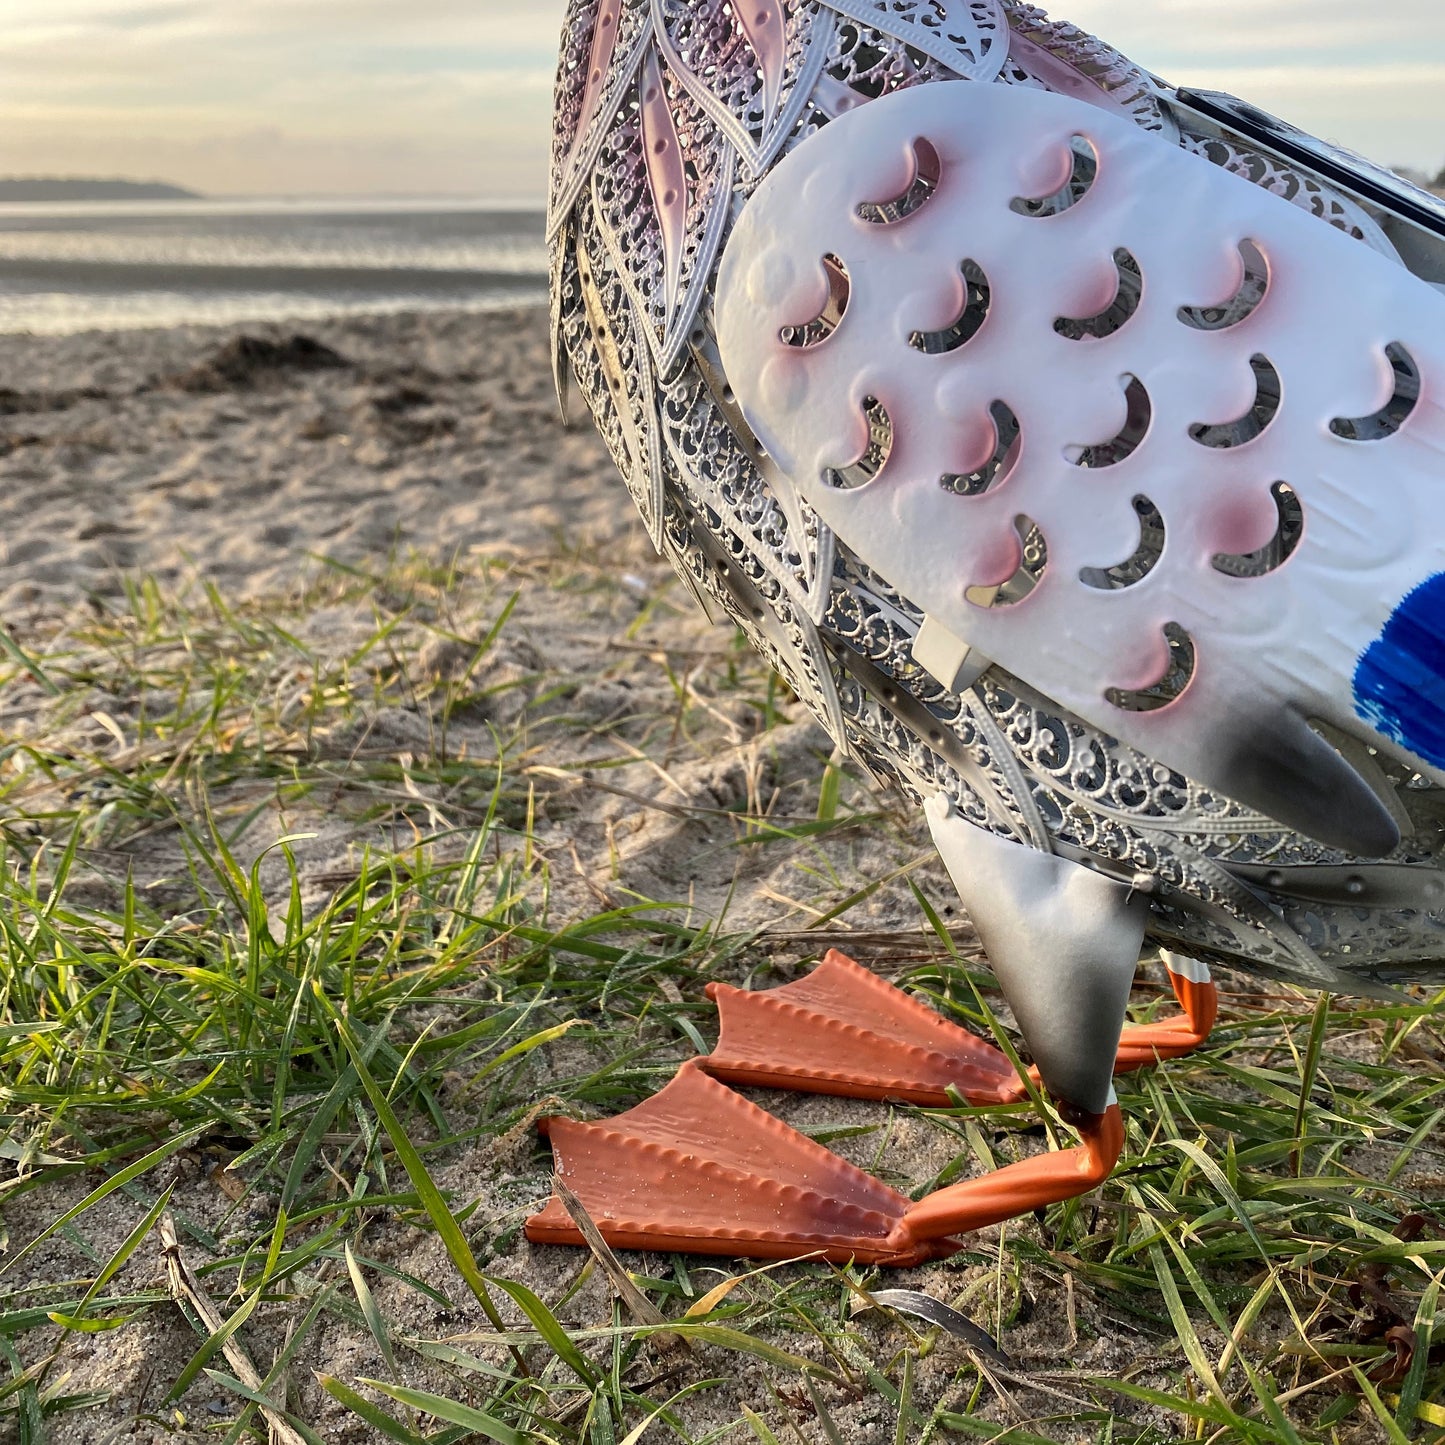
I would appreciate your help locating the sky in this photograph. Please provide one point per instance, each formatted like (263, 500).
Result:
(451, 97)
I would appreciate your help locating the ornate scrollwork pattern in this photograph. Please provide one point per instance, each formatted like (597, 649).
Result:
(602, 45)
(633, 271)
(751, 68)
(1042, 44)
(1293, 185)
(663, 228)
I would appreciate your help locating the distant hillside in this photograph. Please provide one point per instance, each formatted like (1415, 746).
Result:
(47, 188)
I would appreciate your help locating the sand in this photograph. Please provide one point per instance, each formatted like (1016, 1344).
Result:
(202, 451)
(262, 460)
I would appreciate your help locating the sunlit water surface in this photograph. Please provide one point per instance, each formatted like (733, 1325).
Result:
(66, 268)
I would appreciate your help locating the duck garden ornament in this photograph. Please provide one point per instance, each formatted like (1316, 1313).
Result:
(1074, 445)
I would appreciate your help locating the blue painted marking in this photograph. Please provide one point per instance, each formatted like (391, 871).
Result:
(1400, 681)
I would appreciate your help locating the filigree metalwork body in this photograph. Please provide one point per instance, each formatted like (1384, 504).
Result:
(673, 116)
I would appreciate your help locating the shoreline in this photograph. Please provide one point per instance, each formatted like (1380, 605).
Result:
(243, 308)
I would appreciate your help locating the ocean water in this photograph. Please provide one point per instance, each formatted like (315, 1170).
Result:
(80, 267)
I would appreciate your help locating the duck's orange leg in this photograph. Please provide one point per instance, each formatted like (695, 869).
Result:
(1143, 1045)
(1017, 1188)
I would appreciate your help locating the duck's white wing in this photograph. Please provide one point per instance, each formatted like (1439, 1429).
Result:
(1152, 439)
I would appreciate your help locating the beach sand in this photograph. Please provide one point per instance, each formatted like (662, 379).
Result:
(282, 468)
(237, 453)
(262, 462)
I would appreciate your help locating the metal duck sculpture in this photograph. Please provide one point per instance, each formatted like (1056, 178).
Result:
(1074, 445)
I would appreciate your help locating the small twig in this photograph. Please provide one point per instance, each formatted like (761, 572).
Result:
(186, 1289)
(668, 648)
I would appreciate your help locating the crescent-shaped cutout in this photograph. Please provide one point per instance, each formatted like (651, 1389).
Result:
(927, 172)
(1264, 409)
(1178, 674)
(821, 327)
(1082, 175)
(875, 454)
(1145, 557)
(1252, 289)
(1137, 420)
(1279, 549)
(1127, 296)
(1033, 563)
(998, 466)
(1395, 412)
(977, 295)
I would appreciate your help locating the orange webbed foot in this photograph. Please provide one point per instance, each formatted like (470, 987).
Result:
(701, 1169)
(842, 1030)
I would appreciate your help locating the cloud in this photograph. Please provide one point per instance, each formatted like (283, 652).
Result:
(327, 96)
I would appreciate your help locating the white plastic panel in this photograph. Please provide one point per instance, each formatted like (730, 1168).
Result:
(1214, 673)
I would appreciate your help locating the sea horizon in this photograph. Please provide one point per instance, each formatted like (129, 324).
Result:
(69, 266)
(285, 200)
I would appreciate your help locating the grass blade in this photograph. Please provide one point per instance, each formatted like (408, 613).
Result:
(546, 1324)
(374, 1322)
(216, 1340)
(374, 1415)
(453, 1412)
(443, 1221)
(1308, 1070)
(26, 663)
(257, 1397)
(116, 1262)
(104, 1191)
(759, 1427)
(1393, 1433)
(1413, 1388)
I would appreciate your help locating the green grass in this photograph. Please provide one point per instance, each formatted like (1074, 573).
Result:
(283, 1068)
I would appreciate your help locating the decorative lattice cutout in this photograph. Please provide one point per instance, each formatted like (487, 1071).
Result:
(1083, 162)
(996, 468)
(875, 453)
(1279, 549)
(1178, 674)
(1262, 411)
(1141, 562)
(1032, 564)
(1138, 415)
(977, 294)
(970, 37)
(750, 66)
(926, 172)
(826, 322)
(1249, 291)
